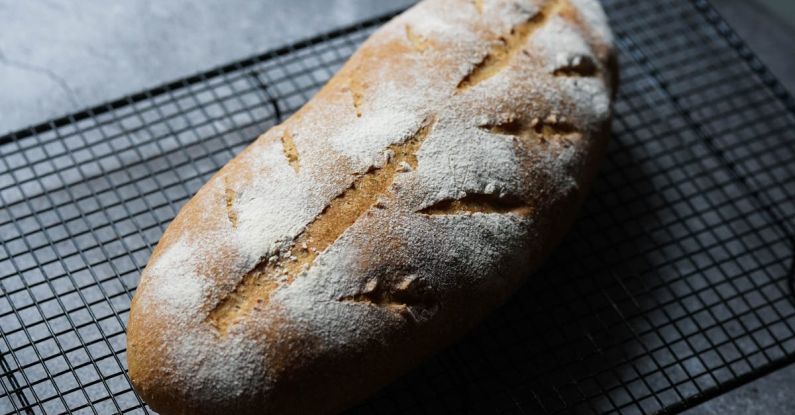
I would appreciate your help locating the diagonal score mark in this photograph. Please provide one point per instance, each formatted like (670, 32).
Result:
(508, 46)
(290, 150)
(479, 203)
(407, 295)
(229, 199)
(479, 6)
(256, 286)
(578, 66)
(418, 42)
(356, 86)
(527, 129)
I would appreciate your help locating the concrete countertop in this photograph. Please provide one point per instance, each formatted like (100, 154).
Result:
(59, 56)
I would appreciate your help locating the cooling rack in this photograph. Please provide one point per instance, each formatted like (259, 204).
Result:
(673, 287)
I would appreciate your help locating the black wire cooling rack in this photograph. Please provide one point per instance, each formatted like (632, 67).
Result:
(672, 288)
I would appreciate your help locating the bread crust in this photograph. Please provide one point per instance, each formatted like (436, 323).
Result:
(389, 215)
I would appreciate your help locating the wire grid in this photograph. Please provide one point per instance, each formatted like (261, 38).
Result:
(672, 288)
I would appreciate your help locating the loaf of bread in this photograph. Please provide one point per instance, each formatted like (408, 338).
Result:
(389, 215)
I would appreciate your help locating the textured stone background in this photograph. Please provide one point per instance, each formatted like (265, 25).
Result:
(59, 56)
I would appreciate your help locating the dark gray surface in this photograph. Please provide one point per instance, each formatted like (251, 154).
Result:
(768, 26)
(57, 57)
(769, 395)
(60, 56)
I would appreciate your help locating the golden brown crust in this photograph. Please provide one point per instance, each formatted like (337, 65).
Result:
(385, 218)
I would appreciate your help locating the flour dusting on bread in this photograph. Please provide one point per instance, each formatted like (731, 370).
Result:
(392, 212)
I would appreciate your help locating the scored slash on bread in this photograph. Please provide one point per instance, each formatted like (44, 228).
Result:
(508, 45)
(386, 217)
(255, 287)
